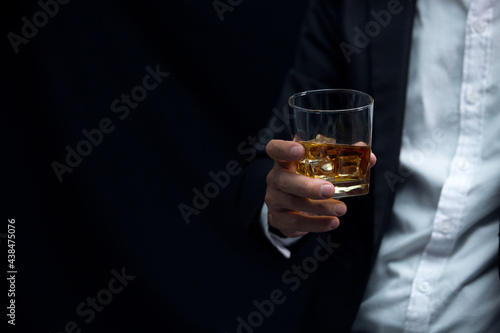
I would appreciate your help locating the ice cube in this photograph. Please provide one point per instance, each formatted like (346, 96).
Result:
(348, 166)
(327, 167)
(323, 139)
(317, 168)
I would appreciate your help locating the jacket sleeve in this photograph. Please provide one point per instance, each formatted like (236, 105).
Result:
(319, 63)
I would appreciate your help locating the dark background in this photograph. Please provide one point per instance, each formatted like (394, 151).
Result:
(119, 208)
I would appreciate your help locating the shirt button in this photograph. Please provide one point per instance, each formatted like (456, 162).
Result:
(480, 26)
(446, 227)
(472, 97)
(424, 287)
(463, 165)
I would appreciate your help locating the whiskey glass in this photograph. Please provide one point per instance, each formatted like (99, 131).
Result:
(335, 128)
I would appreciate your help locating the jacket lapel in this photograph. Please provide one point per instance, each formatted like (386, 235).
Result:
(389, 56)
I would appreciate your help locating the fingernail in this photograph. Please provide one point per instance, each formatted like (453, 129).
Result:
(340, 209)
(334, 224)
(327, 191)
(296, 151)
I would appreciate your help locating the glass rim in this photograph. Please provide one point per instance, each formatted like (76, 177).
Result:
(317, 91)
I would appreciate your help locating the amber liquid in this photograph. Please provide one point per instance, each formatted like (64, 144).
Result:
(345, 166)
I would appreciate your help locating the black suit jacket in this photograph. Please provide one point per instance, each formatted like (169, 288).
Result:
(350, 44)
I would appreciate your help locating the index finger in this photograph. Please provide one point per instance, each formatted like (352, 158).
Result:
(285, 151)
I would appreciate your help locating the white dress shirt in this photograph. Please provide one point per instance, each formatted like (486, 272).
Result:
(436, 270)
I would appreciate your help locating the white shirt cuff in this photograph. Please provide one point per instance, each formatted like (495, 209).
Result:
(281, 244)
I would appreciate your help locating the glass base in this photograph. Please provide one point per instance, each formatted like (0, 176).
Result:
(350, 190)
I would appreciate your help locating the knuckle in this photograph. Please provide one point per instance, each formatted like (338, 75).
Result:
(280, 182)
(311, 188)
(270, 178)
(271, 148)
(270, 200)
(294, 223)
(277, 222)
(326, 207)
(296, 203)
(273, 176)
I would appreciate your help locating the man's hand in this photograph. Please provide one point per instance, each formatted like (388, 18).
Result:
(298, 204)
